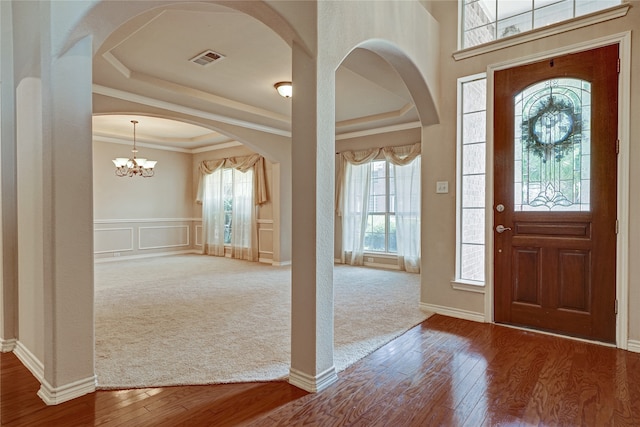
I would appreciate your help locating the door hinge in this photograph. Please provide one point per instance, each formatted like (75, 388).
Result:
(616, 306)
(617, 146)
(618, 65)
(617, 226)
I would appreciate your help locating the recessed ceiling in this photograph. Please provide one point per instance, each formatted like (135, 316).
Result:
(144, 67)
(155, 131)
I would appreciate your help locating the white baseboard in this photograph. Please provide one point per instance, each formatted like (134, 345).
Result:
(280, 263)
(52, 395)
(7, 346)
(382, 266)
(454, 312)
(633, 345)
(55, 395)
(151, 255)
(371, 265)
(28, 359)
(313, 384)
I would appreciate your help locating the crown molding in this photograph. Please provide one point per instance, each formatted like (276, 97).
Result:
(375, 117)
(376, 131)
(177, 108)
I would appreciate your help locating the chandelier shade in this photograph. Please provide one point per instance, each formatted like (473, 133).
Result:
(135, 166)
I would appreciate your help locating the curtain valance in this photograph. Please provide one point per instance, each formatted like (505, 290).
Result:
(400, 156)
(242, 164)
(403, 155)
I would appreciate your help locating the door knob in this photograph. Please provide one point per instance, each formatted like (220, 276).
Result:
(501, 228)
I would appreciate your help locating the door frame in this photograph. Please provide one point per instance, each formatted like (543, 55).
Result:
(622, 257)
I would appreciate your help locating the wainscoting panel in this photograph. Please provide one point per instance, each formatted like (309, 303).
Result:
(108, 240)
(265, 241)
(160, 237)
(198, 236)
(135, 238)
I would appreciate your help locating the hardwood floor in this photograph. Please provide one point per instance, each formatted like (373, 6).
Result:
(444, 372)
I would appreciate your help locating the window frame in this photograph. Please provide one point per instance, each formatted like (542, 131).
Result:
(387, 213)
(459, 282)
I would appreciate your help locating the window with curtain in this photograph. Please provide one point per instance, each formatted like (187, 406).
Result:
(378, 201)
(230, 191)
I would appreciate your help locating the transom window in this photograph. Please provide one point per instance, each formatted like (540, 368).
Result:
(484, 21)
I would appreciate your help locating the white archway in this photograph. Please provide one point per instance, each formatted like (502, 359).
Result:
(320, 34)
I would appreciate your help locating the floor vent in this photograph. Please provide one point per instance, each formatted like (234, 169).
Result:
(207, 57)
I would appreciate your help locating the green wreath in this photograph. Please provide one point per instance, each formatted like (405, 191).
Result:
(556, 113)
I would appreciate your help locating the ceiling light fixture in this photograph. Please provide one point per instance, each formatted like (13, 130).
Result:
(135, 166)
(285, 89)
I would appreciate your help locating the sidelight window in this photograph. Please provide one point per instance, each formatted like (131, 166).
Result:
(472, 147)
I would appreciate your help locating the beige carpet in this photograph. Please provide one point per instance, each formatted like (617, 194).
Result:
(194, 319)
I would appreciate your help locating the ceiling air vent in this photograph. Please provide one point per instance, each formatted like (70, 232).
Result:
(207, 57)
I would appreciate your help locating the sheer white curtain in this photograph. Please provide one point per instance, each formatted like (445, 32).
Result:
(213, 214)
(243, 216)
(406, 163)
(353, 201)
(407, 182)
(248, 190)
(354, 214)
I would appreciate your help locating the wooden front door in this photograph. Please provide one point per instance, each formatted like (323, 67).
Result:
(555, 181)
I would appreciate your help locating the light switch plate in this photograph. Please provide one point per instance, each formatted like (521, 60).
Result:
(442, 187)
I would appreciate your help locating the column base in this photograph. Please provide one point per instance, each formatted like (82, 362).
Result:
(313, 384)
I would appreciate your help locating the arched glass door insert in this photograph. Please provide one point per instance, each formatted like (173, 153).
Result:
(552, 146)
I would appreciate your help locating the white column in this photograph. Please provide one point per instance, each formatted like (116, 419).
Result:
(313, 146)
(8, 211)
(67, 210)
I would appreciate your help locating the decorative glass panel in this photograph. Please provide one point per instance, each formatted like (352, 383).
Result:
(551, 146)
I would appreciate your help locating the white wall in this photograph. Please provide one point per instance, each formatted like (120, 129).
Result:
(135, 216)
(165, 195)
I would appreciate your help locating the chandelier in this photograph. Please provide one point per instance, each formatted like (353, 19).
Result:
(135, 166)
